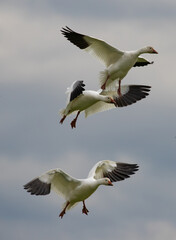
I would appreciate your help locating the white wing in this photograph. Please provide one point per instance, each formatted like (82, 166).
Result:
(115, 171)
(106, 53)
(129, 94)
(99, 168)
(55, 179)
(98, 107)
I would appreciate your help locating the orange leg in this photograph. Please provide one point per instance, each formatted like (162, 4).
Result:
(104, 85)
(85, 210)
(61, 121)
(73, 123)
(63, 211)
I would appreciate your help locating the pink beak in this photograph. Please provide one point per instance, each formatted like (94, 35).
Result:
(110, 183)
(113, 101)
(154, 51)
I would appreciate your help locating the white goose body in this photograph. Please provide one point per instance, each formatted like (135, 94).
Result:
(86, 188)
(76, 190)
(117, 62)
(119, 69)
(83, 101)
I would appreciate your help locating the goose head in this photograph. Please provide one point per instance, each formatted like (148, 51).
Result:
(110, 100)
(106, 181)
(148, 49)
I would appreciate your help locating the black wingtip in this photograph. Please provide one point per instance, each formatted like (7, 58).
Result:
(37, 187)
(65, 30)
(135, 93)
(122, 171)
(74, 37)
(78, 88)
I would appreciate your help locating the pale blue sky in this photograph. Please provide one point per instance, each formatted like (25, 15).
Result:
(37, 65)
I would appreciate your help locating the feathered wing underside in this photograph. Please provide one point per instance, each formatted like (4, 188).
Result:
(142, 62)
(129, 94)
(134, 94)
(115, 171)
(97, 170)
(63, 183)
(106, 53)
(98, 107)
(56, 179)
(121, 171)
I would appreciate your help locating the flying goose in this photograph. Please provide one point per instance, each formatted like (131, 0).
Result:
(75, 190)
(92, 102)
(117, 62)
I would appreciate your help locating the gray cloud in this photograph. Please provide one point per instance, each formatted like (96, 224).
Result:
(99, 9)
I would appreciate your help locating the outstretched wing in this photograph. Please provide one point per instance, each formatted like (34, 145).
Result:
(75, 90)
(142, 62)
(55, 179)
(132, 94)
(115, 171)
(129, 94)
(106, 53)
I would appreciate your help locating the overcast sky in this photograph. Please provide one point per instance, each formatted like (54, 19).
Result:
(37, 64)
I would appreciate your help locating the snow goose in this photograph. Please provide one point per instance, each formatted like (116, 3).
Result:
(76, 190)
(92, 102)
(117, 62)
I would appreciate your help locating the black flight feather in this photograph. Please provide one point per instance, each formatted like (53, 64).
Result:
(121, 171)
(135, 93)
(78, 88)
(37, 187)
(75, 38)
